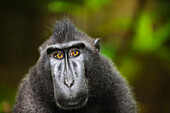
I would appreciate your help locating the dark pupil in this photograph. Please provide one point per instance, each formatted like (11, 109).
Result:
(75, 52)
(59, 55)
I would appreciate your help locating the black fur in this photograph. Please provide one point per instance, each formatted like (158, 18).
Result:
(108, 91)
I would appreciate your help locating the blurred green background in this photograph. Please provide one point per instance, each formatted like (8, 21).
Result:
(135, 34)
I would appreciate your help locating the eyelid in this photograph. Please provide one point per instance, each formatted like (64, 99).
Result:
(71, 52)
(57, 53)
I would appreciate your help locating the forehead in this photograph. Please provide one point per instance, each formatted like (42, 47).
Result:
(67, 45)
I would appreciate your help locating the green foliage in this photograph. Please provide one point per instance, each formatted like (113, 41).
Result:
(116, 24)
(95, 5)
(143, 39)
(146, 38)
(7, 98)
(129, 68)
(161, 35)
(62, 6)
(108, 51)
(87, 6)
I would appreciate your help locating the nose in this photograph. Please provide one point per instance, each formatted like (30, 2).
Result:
(68, 83)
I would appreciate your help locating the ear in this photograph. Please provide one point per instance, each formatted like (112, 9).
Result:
(97, 44)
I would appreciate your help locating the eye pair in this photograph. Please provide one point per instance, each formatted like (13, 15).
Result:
(60, 55)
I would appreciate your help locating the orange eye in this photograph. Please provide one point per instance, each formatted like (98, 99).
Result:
(75, 53)
(58, 56)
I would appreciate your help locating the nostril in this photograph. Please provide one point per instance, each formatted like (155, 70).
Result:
(66, 84)
(69, 85)
(72, 83)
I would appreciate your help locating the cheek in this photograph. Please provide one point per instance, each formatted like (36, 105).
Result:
(56, 67)
(52, 62)
(80, 68)
(78, 65)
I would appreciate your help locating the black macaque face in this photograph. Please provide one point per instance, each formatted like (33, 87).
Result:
(68, 74)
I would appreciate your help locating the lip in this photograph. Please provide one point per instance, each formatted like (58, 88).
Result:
(72, 103)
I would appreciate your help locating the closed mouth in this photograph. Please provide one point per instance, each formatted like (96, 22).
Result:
(72, 103)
